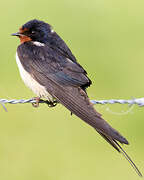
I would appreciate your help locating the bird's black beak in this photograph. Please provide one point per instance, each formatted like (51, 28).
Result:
(16, 34)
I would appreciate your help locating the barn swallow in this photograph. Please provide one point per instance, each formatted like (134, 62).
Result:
(48, 67)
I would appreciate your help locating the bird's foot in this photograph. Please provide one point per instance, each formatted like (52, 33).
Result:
(51, 103)
(36, 104)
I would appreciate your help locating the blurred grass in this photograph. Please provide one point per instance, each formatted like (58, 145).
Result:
(107, 39)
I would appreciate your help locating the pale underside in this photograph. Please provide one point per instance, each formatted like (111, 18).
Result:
(30, 82)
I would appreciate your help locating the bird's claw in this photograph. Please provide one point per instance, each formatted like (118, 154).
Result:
(51, 104)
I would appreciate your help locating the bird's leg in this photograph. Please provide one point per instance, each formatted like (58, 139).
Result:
(36, 104)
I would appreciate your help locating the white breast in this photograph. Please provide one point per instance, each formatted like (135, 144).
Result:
(29, 81)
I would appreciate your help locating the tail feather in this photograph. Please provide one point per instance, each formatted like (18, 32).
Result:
(110, 141)
(79, 104)
(116, 145)
(129, 159)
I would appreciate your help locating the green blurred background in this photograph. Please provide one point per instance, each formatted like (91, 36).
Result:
(107, 37)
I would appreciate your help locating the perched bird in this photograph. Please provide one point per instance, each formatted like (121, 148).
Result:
(48, 67)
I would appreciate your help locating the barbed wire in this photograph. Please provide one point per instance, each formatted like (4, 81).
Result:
(137, 101)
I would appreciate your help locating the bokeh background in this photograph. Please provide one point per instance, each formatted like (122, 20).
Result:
(107, 37)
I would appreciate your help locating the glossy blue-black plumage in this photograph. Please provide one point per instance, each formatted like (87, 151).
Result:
(54, 66)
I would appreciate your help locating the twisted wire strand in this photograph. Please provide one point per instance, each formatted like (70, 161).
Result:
(138, 101)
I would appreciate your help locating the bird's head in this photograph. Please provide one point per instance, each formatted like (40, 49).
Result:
(34, 30)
